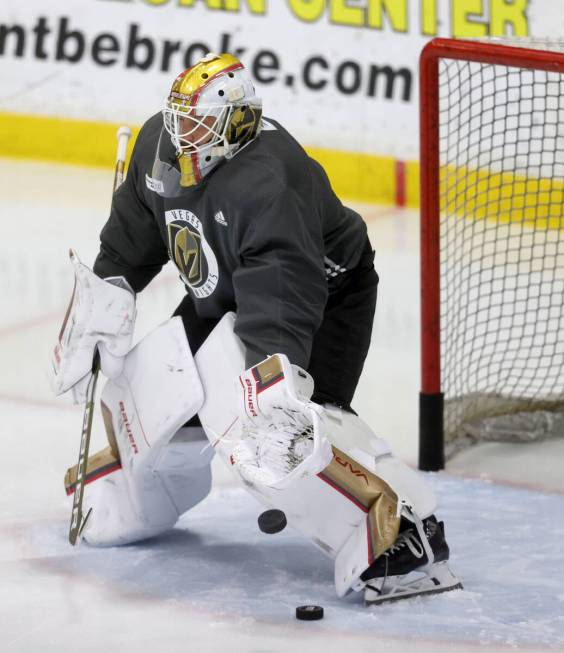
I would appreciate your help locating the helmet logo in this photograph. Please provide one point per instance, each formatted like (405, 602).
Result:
(243, 124)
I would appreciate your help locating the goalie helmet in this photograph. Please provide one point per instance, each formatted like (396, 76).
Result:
(211, 113)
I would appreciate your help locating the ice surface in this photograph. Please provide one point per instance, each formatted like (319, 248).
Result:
(215, 582)
(217, 566)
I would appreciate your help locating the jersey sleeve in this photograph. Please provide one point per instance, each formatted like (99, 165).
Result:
(130, 242)
(280, 285)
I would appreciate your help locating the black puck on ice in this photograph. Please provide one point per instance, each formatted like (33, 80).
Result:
(309, 612)
(272, 521)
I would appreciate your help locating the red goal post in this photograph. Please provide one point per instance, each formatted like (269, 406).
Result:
(514, 56)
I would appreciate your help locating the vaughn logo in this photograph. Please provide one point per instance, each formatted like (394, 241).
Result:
(359, 473)
(219, 217)
(191, 252)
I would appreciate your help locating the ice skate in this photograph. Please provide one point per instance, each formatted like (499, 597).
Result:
(411, 567)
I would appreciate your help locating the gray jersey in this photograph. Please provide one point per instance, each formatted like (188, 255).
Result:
(262, 235)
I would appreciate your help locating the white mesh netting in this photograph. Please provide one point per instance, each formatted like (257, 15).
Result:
(502, 250)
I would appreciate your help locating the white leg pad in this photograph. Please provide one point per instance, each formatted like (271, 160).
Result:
(350, 434)
(158, 391)
(314, 505)
(351, 560)
(184, 468)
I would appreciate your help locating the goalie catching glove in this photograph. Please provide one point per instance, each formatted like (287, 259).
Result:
(282, 434)
(101, 316)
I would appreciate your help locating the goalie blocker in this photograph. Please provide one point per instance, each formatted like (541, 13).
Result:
(336, 482)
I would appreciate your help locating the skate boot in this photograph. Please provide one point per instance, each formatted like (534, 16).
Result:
(416, 564)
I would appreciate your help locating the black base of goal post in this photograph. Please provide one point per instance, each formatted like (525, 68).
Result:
(431, 433)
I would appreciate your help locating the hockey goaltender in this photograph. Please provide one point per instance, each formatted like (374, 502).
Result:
(262, 356)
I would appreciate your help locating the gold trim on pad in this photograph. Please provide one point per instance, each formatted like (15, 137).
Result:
(371, 494)
(99, 464)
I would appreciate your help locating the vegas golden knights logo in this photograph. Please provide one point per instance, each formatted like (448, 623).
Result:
(186, 247)
(243, 125)
(191, 252)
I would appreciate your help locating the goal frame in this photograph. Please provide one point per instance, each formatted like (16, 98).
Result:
(431, 404)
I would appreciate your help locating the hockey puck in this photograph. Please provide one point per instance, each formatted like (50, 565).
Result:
(309, 612)
(272, 521)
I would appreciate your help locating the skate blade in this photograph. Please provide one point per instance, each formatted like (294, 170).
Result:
(438, 579)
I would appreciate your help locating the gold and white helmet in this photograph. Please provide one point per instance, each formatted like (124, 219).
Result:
(211, 113)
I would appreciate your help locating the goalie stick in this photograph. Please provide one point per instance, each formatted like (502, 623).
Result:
(78, 522)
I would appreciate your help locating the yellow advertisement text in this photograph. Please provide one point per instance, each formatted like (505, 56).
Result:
(466, 19)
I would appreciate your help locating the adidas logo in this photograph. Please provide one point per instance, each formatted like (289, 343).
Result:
(219, 217)
(333, 269)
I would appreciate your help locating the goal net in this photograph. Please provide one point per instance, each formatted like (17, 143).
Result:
(492, 243)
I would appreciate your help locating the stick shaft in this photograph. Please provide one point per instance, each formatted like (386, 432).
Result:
(123, 136)
(78, 522)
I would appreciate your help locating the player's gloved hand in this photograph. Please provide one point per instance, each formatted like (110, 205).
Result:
(101, 315)
(282, 432)
(260, 398)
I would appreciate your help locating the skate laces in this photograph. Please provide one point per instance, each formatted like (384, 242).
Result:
(411, 540)
(417, 541)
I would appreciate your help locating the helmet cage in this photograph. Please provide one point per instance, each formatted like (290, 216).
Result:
(195, 135)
